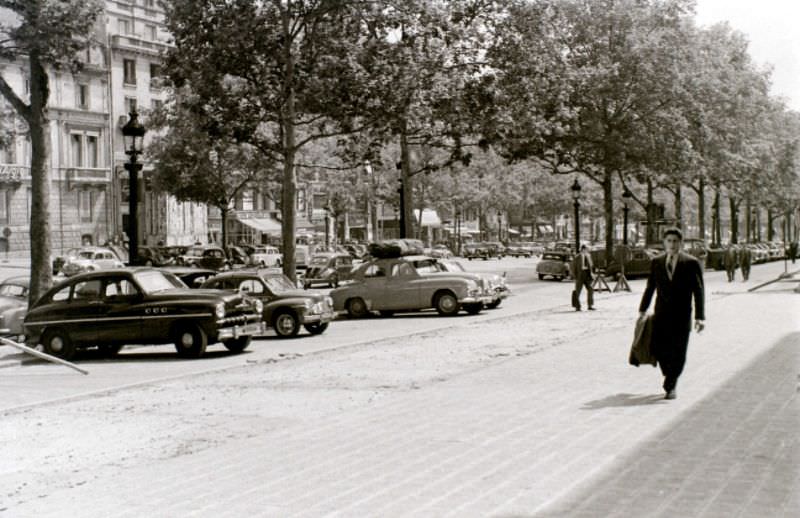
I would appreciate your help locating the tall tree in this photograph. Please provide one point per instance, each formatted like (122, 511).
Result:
(274, 74)
(45, 34)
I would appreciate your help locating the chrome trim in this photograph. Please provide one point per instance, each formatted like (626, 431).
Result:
(104, 319)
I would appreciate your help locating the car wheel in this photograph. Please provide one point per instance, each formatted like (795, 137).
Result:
(190, 341)
(148, 263)
(262, 264)
(356, 308)
(495, 304)
(541, 276)
(558, 278)
(57, 343)
(286, 324)
(109, 351)
(386, 313)
(446, 303)
(306, 285)
(237, 345)
(316, 329)
(473, 309)
(278, 263)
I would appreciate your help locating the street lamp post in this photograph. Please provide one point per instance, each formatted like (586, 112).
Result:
(458, 232)
(133, 132)
(626, 195)
(576, 194)
(499, 226)
(622, 281)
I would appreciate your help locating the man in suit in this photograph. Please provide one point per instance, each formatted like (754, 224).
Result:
(730, 260)
(745, 261)
(676, 278)
(582, 272)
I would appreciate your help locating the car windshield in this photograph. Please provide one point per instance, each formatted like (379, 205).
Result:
(319, 260)
(153, 281)
(278, 283)
(13, 290)
(86, 254)
(195, 252)
(554, 257)
(451, 266)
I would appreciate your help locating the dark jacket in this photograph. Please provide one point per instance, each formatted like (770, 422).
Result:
(641, 352)
(745, 257)
(577, 268)
(674, 297)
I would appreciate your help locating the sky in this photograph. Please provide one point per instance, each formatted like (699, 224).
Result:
(774, 34)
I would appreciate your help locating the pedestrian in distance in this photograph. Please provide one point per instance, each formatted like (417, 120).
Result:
(793, 249)
(745, 262)
(676, 278)
(582, 268)
(730, 261)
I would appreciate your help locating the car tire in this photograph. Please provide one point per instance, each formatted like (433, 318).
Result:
(109, 351)
(278, 263)
(386, 313)
(148, 263)
(57, 343)
(494, 305)
(541, 276)
(446, 303)
(190, 341)
(357, 308)
(262, 264)
(473, 309)
(286, 324)
(306, 285)
(316, 329)
(237, 345)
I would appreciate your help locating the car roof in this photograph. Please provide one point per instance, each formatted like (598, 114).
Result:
(20, 280)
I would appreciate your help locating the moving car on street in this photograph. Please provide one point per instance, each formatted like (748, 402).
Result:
(91, 259)
(328, 268)
(555, 264)
(113, 308)
(472, 251)
(392, 284)
(13, 306)
(286, 308)
(266, 257)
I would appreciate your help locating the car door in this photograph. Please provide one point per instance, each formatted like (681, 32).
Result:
(121, 315)
(402, 288)
(79, 315)
(344, 265)
(375, 278)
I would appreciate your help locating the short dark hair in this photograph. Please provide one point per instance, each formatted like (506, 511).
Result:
(584, 247)
(675, 232)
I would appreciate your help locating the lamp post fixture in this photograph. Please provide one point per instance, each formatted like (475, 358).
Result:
(626, 195)
(576, 194)
(133, 131)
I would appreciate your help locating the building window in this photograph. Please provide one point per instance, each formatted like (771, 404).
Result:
(131, 104)
(4, 206)
(124, 26)
(85, 206)
(92, 155)
(247, 200)
(129, 71)
(82, 96)
(155, 75)
(76, 147)
(151, 31)
(7, 153)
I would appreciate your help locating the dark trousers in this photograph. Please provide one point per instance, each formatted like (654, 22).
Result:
(585, 280)
(731, 274)
(670, 341)
(746, 272)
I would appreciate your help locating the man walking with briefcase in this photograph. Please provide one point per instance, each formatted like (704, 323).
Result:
(582, 267)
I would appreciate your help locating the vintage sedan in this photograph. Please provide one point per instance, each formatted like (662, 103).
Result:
(285, 307)
(636, 260)
(191, 276)
(390, 285)
(205, 256)
(497, 283)
(113, 308)
(266, 257)
(90, 259)
(475, 251)
(328, 268)
(13, 306)
(555, 264)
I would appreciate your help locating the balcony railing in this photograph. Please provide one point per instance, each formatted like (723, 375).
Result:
(12, 173)
(87, 176)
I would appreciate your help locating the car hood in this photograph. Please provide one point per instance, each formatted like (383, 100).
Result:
(196, 294)
(300, 294)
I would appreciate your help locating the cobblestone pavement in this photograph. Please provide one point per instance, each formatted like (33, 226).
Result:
(561, 430)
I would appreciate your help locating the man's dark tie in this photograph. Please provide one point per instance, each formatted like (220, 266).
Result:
(671, 267)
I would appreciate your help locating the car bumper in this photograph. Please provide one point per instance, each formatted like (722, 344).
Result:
(322, 318)
(253, 328)
(478, 299)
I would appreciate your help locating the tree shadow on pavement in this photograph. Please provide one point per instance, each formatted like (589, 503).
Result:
(622, 400)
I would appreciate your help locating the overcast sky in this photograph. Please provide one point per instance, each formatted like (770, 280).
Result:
(772, 26)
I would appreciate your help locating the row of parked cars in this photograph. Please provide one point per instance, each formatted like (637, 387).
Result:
(193, 307)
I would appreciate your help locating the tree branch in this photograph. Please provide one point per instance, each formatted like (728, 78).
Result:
(24, 110)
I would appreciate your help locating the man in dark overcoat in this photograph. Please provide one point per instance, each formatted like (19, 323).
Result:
(582, 267)
(676, 278)
(730, 260)
(745, 261)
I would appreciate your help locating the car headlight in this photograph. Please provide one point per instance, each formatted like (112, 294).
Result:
(219, 310)
(259, 306)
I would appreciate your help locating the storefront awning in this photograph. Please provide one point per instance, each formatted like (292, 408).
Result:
(265, 225)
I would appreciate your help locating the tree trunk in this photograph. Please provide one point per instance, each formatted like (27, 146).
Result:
(289, 188)
(678, 207)
(748, 226)
(608, 208)
(717, 230)
(223, 212)
(652, 229)
(734, 216)
(405, 181)
(770, 225)
(41, 269)
(701, 210)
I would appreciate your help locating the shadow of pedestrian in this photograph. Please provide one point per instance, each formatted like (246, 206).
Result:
(622, 400)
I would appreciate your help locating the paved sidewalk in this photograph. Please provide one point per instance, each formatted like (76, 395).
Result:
(527, 436)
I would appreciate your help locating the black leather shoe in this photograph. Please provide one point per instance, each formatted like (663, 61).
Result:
(591, 308)
(671, 394)
(577, 309)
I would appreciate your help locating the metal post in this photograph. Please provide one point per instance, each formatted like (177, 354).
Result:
(625, 224)
(577, 206)
(133, 207)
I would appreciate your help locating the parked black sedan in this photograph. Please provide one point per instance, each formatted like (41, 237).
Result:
(286, 308)
(109, 309)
